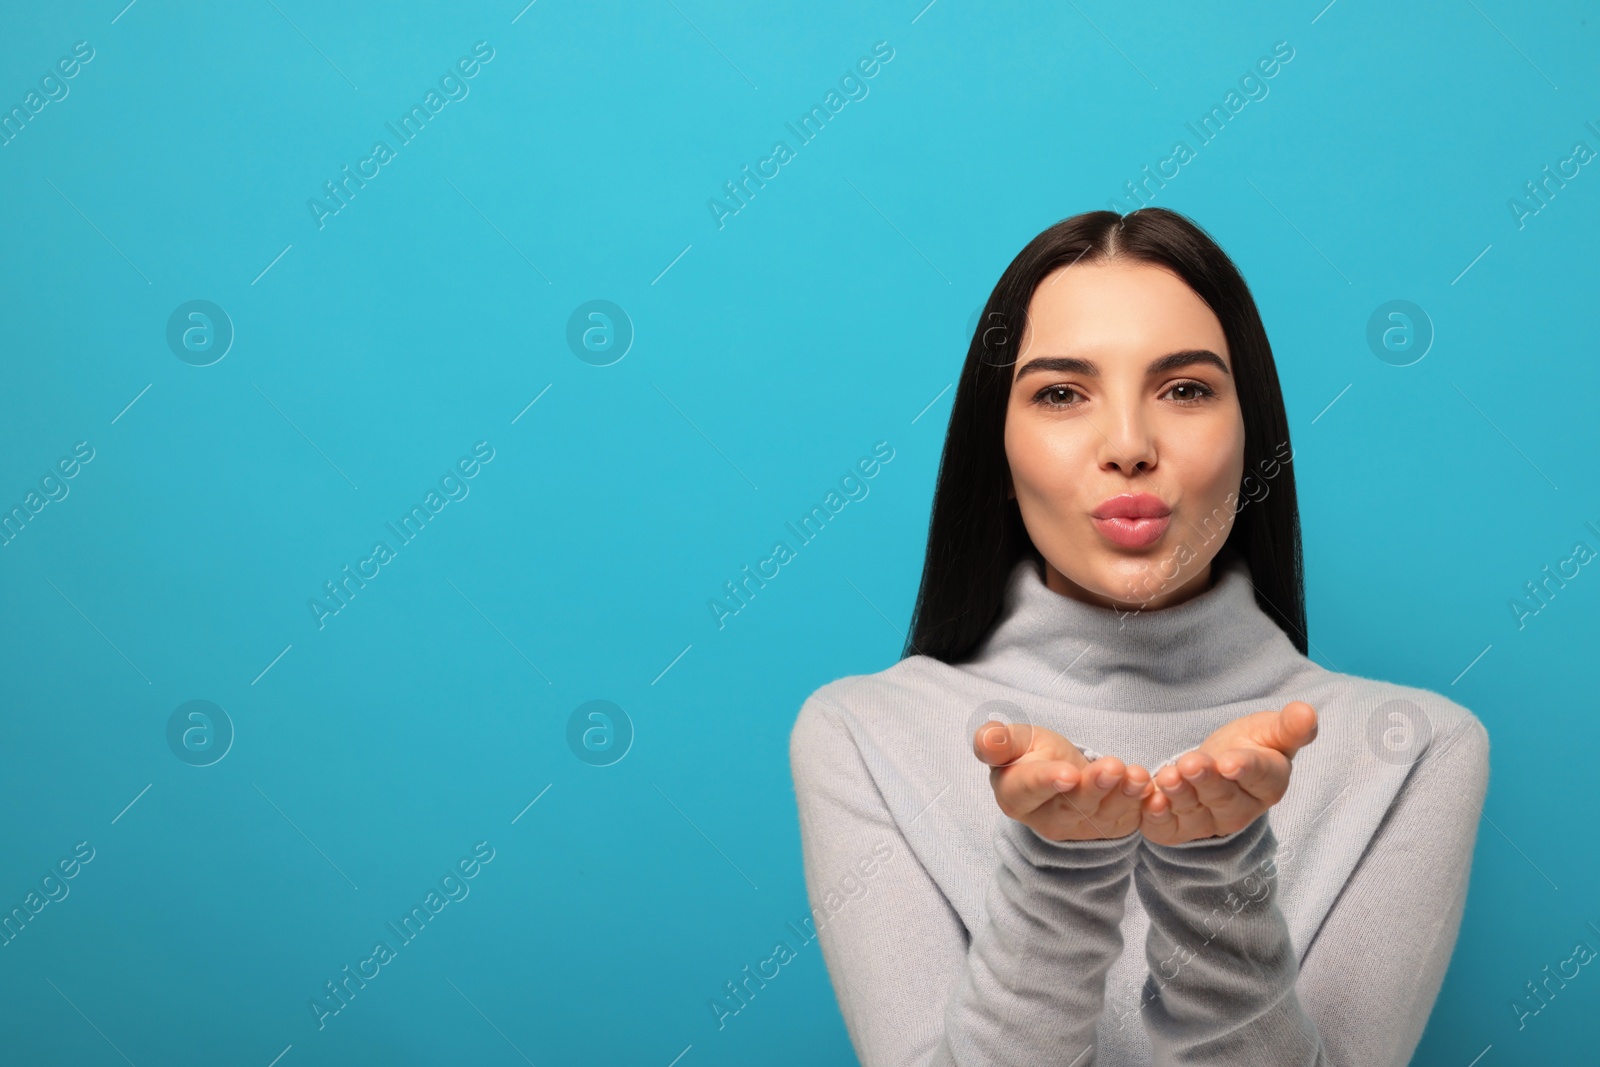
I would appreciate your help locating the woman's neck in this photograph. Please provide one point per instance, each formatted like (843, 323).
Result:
(1217, 647)
(1193, 585)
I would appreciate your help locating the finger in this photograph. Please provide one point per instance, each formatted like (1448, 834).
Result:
(1100, 778)
(1156, 800)
(1292, 728)
(1182, 797)
(1102, 801)
(1167, 776)
(1119, 812)
(1137, 782)
(1257, 771)
(1023, 788)
(1155, 803)
(1200, 771)
(998, 744)
(1126, 799)
(1159, 823)
(1156, 818)
(1213, 789)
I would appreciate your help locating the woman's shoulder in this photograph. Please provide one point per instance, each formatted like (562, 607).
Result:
(1397, 723)
(919, 685)
(907, 699)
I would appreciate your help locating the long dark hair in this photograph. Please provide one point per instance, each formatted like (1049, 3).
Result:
(975, 533)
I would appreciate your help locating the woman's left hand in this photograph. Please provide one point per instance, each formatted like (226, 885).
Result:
(1235, 775)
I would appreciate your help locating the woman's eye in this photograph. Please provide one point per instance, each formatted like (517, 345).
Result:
(1060, 396)
(1051, 396)
(1197, 391)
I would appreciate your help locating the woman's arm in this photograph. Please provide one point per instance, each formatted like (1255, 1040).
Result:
(1223, 985)
(1373, 971)
(1030, 986)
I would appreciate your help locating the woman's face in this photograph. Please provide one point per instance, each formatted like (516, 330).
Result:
(1123, 394)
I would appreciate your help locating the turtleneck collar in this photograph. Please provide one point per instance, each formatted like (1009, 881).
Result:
(1216, 648)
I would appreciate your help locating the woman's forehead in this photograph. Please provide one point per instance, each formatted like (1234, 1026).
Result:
(1118, 311)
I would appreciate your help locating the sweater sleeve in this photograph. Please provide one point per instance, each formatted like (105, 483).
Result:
(1221, 987)
(1224, 984)
(1372, 973)
(914, 989)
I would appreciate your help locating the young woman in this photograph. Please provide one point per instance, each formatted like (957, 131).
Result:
(1112, 583)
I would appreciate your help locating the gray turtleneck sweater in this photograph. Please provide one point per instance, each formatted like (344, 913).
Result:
(1319, 934)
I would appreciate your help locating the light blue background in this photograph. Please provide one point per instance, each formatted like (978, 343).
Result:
(829, 314)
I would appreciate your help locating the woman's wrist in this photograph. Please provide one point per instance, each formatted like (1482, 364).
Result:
(1085, 844)
(1103, 854)
(1252, 829)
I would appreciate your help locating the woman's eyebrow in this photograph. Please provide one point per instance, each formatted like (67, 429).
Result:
(1088, 368)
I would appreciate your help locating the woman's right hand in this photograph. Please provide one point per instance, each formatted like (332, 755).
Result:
(1041, 780)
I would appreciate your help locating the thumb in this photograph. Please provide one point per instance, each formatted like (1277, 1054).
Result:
(1292, 728)
(998, 744)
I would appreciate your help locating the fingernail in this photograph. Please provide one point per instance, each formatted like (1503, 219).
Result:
(1199, 776)
(1132, 788)
(1106, 778)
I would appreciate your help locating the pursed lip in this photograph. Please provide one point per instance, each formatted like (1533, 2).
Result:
(1132, 506)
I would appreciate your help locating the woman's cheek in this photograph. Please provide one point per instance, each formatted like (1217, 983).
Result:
(1213, 458)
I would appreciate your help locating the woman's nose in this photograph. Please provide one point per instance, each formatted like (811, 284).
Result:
(1127, 442)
